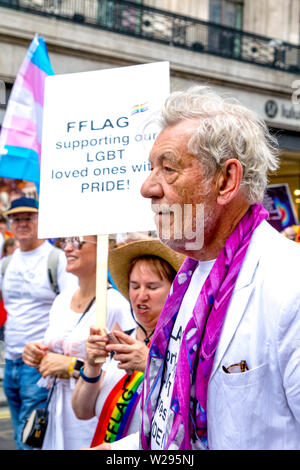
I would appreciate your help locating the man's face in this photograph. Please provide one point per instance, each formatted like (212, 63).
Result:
(176, 181)
(24, 226)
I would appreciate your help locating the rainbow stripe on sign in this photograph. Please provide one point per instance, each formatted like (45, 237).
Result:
(139, 108)
(21, 132)
(118, 409)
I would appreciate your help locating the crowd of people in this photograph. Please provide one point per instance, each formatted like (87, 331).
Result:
(202, 346)
(52, 341)
(8, 244)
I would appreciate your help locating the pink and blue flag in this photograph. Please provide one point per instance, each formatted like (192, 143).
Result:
(21, 132)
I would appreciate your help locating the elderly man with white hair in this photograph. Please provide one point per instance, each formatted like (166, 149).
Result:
(223, 369)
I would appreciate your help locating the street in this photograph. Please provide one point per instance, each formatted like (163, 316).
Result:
(6, 431)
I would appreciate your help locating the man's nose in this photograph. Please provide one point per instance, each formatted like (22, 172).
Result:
(151, 188)
(23, 223)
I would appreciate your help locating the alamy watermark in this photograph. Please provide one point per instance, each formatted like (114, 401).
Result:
(181, 223)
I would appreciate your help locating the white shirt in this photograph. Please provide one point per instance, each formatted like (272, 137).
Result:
(118, 311)
(159, 434)
(160, 418)
(66, 335)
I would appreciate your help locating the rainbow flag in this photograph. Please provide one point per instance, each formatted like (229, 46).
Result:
(118, 409)
(21, 132)
(139, 108)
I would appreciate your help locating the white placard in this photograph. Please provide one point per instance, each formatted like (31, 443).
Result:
(95, 149)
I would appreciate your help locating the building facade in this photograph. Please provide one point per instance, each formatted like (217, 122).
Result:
(248, 49)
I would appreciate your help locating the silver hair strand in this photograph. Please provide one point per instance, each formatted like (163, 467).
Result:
(226, 130)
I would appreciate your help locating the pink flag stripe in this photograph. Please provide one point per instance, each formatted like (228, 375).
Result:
(21, 131)
(25, 126)
(34, 81)
(23, 139)
(21, 106)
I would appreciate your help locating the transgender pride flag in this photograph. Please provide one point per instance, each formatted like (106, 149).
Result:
(21, 132)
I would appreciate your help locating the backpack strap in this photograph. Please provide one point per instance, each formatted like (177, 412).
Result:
(4, 264)
(53, 258)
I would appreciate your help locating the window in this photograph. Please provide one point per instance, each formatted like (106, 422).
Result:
(114, 15)
(227, 12)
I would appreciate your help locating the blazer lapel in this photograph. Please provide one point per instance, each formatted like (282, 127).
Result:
(241, 294)
(234, 315)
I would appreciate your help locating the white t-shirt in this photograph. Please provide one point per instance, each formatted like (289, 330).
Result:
(118, 310)
(159, 433)
(66, 335)
(28, 296)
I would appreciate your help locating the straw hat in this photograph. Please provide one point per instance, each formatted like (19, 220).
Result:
(120, 258)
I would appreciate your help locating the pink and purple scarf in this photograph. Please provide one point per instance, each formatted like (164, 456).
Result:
(187, 424)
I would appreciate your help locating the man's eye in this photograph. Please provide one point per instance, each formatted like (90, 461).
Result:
(168, 169)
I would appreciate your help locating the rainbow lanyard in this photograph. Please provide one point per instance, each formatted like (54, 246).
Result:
(118, 409)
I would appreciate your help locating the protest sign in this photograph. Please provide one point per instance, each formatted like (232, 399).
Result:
(279, 203)
(95, 148)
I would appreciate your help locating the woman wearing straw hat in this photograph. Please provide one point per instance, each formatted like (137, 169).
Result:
(143, 271)
(62, 351)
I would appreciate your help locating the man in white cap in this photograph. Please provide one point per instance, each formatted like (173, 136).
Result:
(28, 296)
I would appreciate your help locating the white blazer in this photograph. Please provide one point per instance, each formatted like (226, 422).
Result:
(260, 408)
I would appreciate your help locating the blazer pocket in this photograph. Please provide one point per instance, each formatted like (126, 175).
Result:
(239, 408)
(243, 379)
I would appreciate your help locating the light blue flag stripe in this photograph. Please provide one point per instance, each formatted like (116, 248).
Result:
(20, 163)
(40, 57)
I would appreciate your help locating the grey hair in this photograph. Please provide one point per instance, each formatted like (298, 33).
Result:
(226, 130)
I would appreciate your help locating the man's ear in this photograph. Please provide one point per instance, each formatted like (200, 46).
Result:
(229, 181)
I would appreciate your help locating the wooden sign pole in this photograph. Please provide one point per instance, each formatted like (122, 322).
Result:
(101, 281)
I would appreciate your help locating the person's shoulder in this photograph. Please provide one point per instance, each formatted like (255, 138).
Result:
(59, 253)
(277, 271)
(49, 247)
(272, 245)
(116, 300)
(115, 294)
(65, 296)
(42, 250)
(12, 259)
(56, 258)
(280, 250)
(4, 262)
